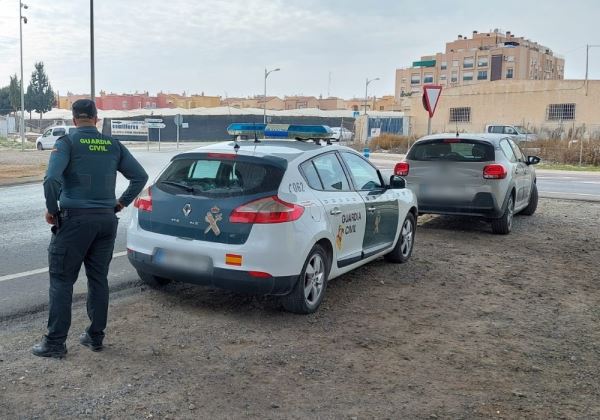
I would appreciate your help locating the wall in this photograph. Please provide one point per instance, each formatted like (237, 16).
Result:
(214, 127)
(522, 102)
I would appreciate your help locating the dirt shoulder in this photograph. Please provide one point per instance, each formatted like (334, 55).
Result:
(474, 326)
(18, 167)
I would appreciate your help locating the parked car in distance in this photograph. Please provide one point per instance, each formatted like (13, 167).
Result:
(517, 132)
(269, 217)
(484, 175)
(46, 141)
(341, 134)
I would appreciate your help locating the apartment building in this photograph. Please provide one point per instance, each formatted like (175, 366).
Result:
(482, 58)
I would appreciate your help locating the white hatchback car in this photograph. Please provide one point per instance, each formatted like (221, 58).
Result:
(269, 217)
(46, 141)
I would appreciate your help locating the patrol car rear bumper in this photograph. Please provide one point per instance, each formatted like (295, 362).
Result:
(235, 280)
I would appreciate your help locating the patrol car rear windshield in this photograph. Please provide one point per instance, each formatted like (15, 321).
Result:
(219, 177)
(455, 150)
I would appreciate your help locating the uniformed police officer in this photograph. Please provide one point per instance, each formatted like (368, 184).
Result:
(81, 176)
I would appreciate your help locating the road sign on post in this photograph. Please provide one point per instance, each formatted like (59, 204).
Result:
(178, 121)
(155, 125)
(431, 97)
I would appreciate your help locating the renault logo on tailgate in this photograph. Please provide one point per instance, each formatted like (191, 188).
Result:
(187, 209)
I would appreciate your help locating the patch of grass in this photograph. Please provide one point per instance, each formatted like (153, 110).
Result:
(565, 167)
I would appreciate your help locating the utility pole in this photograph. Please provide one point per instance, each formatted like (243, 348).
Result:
(22, 19)
(587, 61)
(92, 69)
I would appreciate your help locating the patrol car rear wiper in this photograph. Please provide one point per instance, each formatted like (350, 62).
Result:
(177, 184)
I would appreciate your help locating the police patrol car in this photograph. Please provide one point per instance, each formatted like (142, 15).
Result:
(282, 215)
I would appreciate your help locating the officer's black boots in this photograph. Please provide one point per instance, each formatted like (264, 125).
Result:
(47, 349)
(89, 342)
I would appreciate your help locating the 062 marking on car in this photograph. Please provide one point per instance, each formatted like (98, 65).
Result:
(296, 187)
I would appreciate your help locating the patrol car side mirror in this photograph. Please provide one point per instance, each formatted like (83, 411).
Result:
(533, 160)
(397, 182)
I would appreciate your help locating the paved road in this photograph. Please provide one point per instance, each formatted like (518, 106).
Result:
(25, 235)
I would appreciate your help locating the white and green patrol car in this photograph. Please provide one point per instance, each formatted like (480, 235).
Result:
(276, 216)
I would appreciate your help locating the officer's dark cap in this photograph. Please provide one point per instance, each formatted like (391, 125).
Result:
(84, 108)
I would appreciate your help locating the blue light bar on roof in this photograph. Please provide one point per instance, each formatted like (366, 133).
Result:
(246, 129)
(281, 131)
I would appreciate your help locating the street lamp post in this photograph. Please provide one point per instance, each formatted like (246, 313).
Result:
(367, 91)
(22, 19)
(265, 97)
(92, 69)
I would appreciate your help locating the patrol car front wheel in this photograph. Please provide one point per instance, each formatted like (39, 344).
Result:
(308, 293)
(152, 280)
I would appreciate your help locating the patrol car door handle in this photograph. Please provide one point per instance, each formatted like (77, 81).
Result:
(335, 211)
(371, 209)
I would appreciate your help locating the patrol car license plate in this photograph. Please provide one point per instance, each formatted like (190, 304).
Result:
(183, 261)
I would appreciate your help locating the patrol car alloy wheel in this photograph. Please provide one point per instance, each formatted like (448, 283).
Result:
(404, 246)
(309, 290)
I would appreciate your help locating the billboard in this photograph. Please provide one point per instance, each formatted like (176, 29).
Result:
(128, 128)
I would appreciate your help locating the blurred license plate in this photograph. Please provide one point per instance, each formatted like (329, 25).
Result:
(183, 261)
(442, 191)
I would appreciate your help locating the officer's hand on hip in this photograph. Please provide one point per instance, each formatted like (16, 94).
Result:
(50, 219)
(119, 207)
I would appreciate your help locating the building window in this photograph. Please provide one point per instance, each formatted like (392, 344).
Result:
(509, 73)
(468, 63)
(443, 76)
(468, 75)
(444, 65)
(460, 115)
(454, 63)
(560, 112)
(125, 104)
(482, 75)
(454, 77)
(381, 107)
(482, 61)
(428, 78)
(415, 79)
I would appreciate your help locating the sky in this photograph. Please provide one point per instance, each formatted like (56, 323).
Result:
(221, 47)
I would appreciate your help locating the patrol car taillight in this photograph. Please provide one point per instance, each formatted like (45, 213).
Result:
(144, 201)
(401, 169)
(494, 171)
(266, 210)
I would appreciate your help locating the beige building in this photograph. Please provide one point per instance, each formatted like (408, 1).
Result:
(189, 102)
(300, 102)
(484, 57)
(553, 108)
(331, 104)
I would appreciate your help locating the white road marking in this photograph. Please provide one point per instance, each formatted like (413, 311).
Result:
(43, 270)
(568, 193)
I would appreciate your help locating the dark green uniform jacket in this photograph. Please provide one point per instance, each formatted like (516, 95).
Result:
(82, 172)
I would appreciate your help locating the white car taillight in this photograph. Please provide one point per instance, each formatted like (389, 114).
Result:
(144, 200)
(266, 210)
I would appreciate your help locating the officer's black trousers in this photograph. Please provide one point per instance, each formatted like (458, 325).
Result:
(88, 239)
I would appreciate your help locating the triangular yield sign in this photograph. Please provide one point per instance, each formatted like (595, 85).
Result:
(431, 96)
